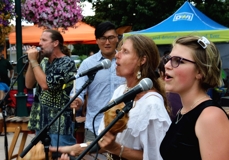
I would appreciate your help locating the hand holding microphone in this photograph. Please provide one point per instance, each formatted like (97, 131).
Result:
(26, 55)
(33, 53)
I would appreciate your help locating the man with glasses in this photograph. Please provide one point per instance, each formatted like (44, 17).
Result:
(100, 91)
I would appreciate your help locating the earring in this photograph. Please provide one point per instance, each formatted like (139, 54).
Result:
(139, 75)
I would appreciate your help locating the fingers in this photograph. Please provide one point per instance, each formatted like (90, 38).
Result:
(77, 103)
(32, 52)
(64, 157)
(107, 142)
(80, 119)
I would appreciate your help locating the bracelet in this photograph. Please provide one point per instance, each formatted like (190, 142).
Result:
(122, 148)
(32, 61)
(33, 66)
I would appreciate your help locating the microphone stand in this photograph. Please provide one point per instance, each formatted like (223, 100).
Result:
(42, 135)
(120, 114)
(3, 105)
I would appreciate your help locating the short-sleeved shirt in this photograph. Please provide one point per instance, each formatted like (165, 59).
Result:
(4, 87)
(48, 103)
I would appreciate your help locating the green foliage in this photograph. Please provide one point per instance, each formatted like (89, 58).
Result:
(82, 57)
(84, 49)
(142, 14)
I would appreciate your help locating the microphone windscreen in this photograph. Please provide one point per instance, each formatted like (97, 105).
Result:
(106, 63)
(38, 49)
(146, 84)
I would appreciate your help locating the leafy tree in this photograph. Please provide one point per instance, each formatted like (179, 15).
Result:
(217, 10)
(82, 49)
(142, 14)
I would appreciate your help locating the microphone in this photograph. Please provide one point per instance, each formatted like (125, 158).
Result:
(105, 64)
(144, 85)
(26, 55)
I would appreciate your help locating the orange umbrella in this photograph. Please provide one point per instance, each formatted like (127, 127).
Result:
(82, 33)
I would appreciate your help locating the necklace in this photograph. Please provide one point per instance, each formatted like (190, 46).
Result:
(127, 89)
(179, 112)
(178, 116)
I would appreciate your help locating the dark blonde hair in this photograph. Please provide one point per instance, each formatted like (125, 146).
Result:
(145, 47)
(207, 60)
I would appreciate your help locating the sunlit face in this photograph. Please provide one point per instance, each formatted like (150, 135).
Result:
(127, 60)
(47, 44)
(183, 77)
(107, 43)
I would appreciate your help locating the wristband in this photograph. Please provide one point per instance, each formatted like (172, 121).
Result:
(32, 61)
(36, 65)
(82, 145)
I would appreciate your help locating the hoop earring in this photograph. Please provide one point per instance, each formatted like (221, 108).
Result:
(139, 75)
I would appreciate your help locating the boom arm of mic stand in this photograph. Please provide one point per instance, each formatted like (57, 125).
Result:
(44, 131)
(120, 114)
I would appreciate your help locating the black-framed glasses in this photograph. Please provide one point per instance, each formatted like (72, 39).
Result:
(109, 38)
(175, 60)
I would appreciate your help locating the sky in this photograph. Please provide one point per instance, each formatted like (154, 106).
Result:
(87, 11)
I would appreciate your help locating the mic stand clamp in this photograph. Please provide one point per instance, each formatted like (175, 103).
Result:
(120, 114)
(42, 135)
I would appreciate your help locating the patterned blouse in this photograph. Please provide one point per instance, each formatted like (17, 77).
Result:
(48, 103)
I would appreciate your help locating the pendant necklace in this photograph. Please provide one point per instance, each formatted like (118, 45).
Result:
(178, 116)
(179, 112)
(127, 89)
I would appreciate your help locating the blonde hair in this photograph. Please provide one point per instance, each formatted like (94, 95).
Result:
(207, 60)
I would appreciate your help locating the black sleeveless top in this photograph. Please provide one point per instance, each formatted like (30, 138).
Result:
(180, 141)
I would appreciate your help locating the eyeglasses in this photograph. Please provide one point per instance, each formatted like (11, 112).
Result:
(203, 42)
(175, 60)
(109, 38)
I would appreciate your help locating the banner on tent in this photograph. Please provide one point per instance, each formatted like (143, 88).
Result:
(169, 37)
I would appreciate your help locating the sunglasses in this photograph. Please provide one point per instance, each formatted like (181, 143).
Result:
(175, 60)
